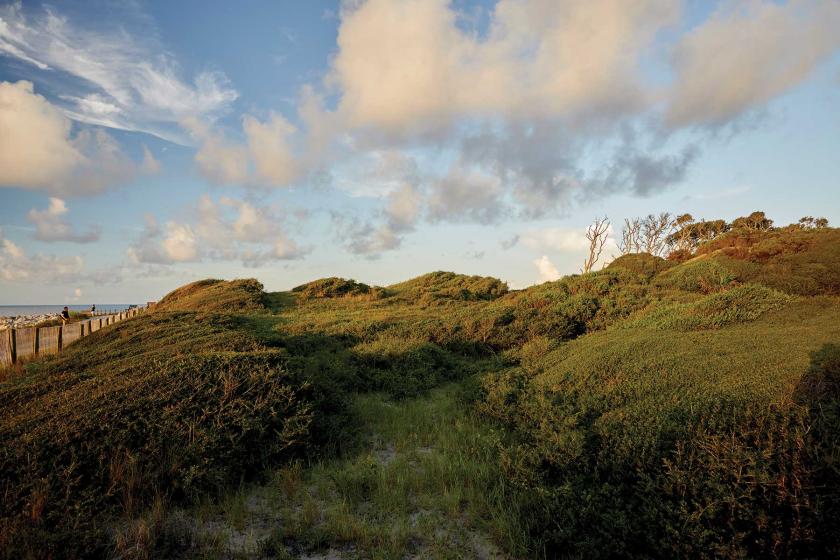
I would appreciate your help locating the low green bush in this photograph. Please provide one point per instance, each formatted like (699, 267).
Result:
(673, 444)
(235, 296)
(404, 367)
(335, 288)
(644, 264)
(704, 275)
(743, 303)
(448, 285)
(177, 405)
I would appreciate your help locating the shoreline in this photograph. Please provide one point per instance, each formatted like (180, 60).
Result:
(22, 321)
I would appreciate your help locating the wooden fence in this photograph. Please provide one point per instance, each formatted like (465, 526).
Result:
(27, 343)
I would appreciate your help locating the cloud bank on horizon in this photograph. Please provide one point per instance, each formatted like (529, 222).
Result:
(423, 115)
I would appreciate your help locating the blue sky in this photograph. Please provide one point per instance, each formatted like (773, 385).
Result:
(145, 145)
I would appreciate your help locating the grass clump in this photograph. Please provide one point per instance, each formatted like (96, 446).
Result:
(675, 443)
(743, 303)
(405, 367)
(181, 405)
(644, 264)
(335, 288)
(450, 286)
(234, 296)
(795, 261)
(702, 275)
(423, 482)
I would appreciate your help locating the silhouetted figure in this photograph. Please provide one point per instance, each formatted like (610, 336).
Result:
(93, 309)
(65, 315)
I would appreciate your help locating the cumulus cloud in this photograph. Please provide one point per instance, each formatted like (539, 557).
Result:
(543, 126)
(403, 208)
(227, 229)
(548, 272)
(384, 231)
(266, 158)
(529, 63)
(18, 266)
(466, 195)
(37, 151)
(747, 53)
(50, 225)
(124, 78)
(35, 146)
(268, 144)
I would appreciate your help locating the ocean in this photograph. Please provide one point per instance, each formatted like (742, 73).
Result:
(17, 310)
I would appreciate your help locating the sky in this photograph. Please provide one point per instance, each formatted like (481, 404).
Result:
(144, 145)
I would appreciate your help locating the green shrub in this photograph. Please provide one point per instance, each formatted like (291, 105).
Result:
(643, 264)
(448, 285)
(169, 404)
(235, 296)
(404, 367)
(702, 275)
(335, 288)
(674, 444)
(741, 304)
(795, 261)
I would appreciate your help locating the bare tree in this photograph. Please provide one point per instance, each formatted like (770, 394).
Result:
(597, 233)
(654, 233)
(682, 230)
(631, 240)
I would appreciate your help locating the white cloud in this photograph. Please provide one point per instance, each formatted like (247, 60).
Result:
(50, 224)
(747, 53)
(268, 143)
(17, 266)
(266, 159)
(150, 165)
(405, 65)
(179, 243)
(555, 239)
(403, 207)
(35, 146)
(229, 229)
(126, 79)
(548, 272)
(530, 100)
(570, 246)
(38, 153)
(218, 160)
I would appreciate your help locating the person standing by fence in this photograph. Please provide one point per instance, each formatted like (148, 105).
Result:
(65, 315)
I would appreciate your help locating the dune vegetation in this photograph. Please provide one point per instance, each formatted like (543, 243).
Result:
(686, 406)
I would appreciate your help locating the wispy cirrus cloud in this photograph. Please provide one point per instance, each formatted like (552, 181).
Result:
(118, 76)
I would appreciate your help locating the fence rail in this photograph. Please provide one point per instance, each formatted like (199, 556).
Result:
(27, 343)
